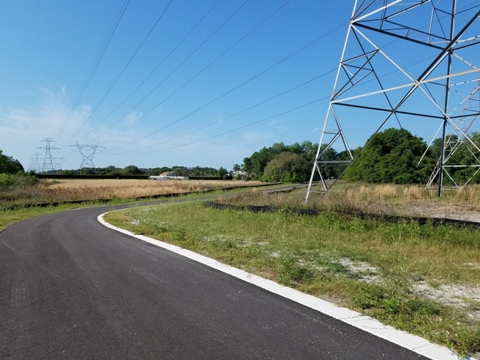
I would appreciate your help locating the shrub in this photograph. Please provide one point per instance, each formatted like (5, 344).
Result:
(19, 180)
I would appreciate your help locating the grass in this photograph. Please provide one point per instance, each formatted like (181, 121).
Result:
(366, 265)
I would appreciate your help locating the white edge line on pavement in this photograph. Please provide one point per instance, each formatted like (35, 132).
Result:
(414, 343)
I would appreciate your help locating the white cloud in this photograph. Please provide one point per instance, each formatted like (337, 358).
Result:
(256, 136)
(48, 116)
(132, 117)
(23, 129)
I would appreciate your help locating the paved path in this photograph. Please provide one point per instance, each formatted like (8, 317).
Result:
(71, 288)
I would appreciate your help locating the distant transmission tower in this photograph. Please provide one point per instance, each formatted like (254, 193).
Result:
(58, 162)
(87, 152)
(35, 164)
(48, 164)
(405, 64)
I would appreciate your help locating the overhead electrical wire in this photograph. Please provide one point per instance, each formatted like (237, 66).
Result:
(174, 70)
(157, 67)
(256, 105)
(241, 111)
(195, 76)
(201, 71)
(205, 68)
(94, 66)
(123, 70)
(246, 125)
(235, 88)
(253, 123)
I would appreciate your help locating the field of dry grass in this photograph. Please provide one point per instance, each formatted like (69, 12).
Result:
(410, 200)
(402, 200)
(122, 189)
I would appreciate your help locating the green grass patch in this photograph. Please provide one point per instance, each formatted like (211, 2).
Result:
(367, 265)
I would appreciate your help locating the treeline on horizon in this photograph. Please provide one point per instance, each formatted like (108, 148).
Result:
(11, 166)
(392, 156)
(132, 171)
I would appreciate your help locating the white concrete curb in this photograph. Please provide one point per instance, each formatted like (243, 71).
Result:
(414, 343)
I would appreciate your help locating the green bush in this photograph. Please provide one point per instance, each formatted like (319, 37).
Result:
(20, 180)
(6, 180)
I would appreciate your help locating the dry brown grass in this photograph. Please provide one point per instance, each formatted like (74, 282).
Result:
(121, 188)
(403, 200)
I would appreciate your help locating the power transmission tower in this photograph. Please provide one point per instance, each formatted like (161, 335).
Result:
(405, 64)
(87, 152)
(35, 164)
(58, 162)
(48, 164)
(457, 142)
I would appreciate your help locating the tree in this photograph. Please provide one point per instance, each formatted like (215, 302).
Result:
(87, 171)
(287, 167)
(309, 151)
(459, 152)
(330, 170)
(390, 156)
(131, 170)
(9, 165)
(222, 172)
(255, 165)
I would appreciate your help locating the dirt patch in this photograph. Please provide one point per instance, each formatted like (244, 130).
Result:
(451, 295)
(445, 211)
(363, 270)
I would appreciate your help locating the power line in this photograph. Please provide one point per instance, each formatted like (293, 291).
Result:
(261, 73)
(94, 66)
(123, 70)
(244, 110)
(171, 73)
(154, 70)
(247, 125)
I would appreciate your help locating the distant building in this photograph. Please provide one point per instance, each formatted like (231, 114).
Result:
(168, 175)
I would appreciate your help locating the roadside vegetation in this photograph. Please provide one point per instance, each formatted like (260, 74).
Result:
(419, 278)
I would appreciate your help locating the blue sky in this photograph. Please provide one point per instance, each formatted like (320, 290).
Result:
(207, 83)
(157, 83)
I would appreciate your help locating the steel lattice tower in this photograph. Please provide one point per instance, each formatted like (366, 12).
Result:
(48, 164)
(87, 152)
(35, 164)
(408, 64)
